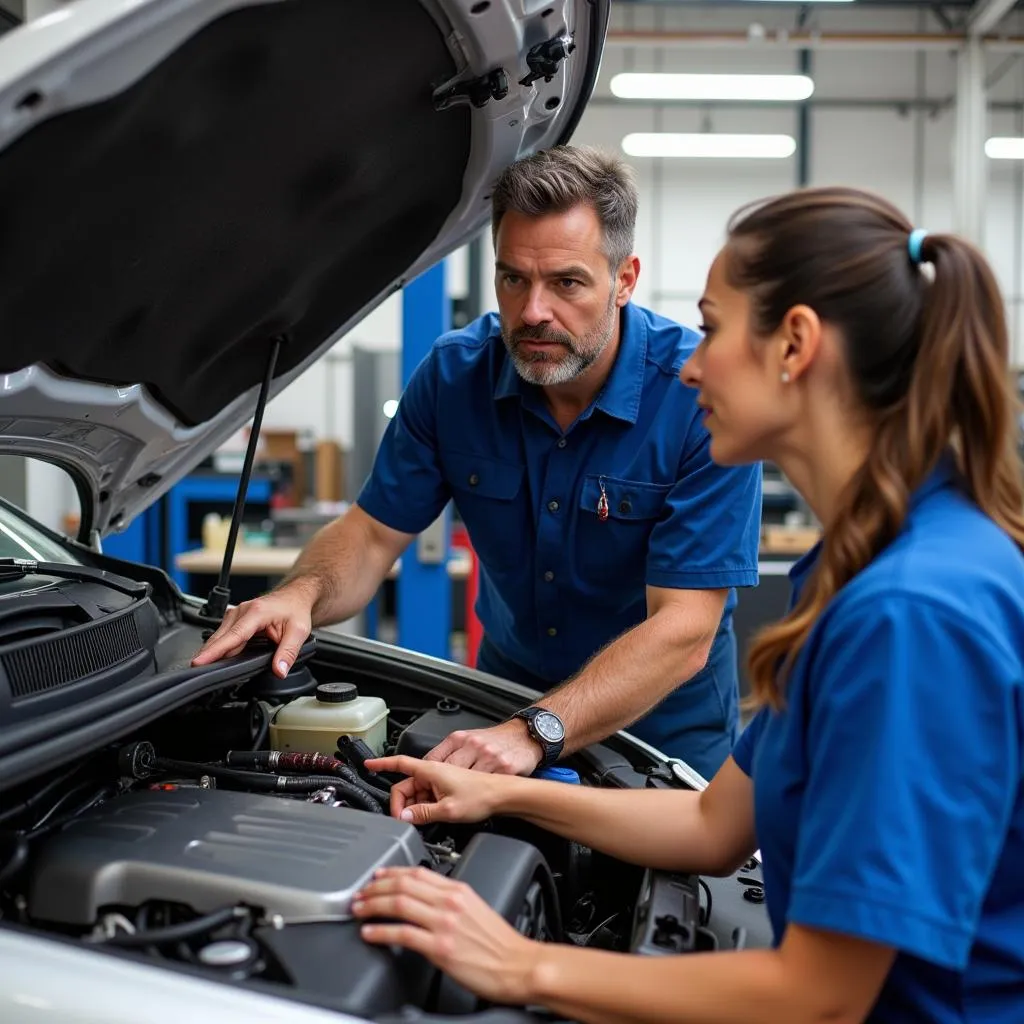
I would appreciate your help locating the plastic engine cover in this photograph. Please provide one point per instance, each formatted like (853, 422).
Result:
(210, 848)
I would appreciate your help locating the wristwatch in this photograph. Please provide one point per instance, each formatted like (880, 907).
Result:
(546, 728)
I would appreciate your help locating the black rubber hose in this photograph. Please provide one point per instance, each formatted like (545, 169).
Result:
(356, 794)
(353, 776)
(52, 824)
(277, 783)
(248, 758)
(33, 801)
(74, 793)
(314, 764)
(179, 932)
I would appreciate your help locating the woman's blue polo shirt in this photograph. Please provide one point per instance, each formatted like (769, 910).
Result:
(888, 792)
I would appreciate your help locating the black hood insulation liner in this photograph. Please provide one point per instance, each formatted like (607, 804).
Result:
(267, 179)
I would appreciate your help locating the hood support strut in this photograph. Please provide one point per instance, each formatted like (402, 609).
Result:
(220, 596)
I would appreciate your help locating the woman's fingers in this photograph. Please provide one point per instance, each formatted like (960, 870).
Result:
(419, 883)
(406, 793)
(408, 936)
(449, 924)
(412, 895)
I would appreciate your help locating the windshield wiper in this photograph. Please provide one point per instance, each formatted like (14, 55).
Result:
(220, 596)
(18, 568)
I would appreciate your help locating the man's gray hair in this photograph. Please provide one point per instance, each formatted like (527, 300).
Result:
(555, 180)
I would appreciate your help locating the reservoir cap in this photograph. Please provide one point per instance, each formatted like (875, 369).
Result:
(336, 693)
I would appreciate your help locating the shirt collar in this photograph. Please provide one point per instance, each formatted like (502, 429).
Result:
(620, 396)
(509, 384)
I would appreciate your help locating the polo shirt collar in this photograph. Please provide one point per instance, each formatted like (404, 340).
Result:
(620, 396)
(509, 384)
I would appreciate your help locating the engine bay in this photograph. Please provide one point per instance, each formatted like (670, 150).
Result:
(226, 836)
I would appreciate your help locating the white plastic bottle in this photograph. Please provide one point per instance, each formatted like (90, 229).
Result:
(313, 724)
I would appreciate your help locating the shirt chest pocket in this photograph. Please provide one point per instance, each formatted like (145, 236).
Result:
(489, 496)
(614, 549)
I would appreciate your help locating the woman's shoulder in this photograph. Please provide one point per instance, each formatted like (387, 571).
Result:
(951, 562)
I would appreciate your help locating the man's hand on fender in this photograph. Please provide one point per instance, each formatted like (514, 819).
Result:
(505, 749)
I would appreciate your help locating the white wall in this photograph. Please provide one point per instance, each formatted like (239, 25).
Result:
(906, 155)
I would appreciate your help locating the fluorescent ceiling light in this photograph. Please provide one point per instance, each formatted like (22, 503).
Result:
(711, 87)
(709, 145)
(1004, 148)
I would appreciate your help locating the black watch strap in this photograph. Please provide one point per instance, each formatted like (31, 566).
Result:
(545, 729)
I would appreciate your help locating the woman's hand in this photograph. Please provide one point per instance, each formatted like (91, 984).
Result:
(450, 925)
(436, 791)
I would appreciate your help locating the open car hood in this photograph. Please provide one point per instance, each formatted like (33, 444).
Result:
(184, 181)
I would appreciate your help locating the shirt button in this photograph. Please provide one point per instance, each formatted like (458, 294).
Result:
(474, 479)
(552, 631)
(625, 506)
(553, 506)
(562, 442)
(548, 576)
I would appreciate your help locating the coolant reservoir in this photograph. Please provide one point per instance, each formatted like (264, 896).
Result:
(313, 724)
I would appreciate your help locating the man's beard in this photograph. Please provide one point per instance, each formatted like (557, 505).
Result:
(571, 360)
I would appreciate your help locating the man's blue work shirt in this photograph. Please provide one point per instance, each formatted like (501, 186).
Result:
(557, 583)
(888, 792)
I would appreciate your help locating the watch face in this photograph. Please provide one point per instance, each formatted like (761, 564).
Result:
(549, 726)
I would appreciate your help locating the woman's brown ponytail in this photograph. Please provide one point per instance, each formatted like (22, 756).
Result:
(928, 351)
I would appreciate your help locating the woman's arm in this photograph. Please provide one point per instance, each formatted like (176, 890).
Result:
(710, 833)
(703, 833)
(815, 977)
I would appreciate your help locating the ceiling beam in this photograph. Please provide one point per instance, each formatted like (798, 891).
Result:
(986, 14)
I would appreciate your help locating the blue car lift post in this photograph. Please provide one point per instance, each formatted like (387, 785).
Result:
(424, 591)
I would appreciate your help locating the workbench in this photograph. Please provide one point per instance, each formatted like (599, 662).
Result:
(263, 566)
(255, 560)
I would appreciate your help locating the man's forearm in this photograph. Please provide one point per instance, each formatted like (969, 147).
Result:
(341, 568)
(628, 678)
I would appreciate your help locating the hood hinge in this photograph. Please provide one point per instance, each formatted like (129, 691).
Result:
(544, 58)
(478, 91)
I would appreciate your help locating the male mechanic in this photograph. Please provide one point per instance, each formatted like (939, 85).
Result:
(609, 543)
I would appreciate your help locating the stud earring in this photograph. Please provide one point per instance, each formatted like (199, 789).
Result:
(785, 376)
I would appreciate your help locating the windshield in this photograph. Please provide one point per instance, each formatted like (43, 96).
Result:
(19, 539)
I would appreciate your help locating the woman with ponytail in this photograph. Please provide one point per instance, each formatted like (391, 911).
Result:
(882, 776)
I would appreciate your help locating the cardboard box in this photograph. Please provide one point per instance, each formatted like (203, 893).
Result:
(329, 472)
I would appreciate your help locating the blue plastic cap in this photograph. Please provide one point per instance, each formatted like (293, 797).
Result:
(557, 774)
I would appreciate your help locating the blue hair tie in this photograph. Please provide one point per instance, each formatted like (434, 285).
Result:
(914, 243)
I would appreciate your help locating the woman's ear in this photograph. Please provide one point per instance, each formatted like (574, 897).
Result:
(799, 337)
